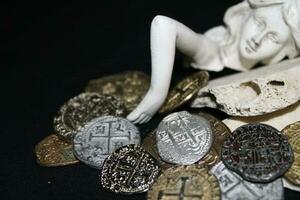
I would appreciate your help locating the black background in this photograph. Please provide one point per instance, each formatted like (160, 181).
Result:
(49, 51)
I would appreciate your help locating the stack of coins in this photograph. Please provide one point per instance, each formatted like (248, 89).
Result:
(96, 139)
(187, 156)
(248, 163)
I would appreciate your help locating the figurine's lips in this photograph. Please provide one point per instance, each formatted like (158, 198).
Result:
(251, 45)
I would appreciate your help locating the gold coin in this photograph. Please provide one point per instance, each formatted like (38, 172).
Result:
(53, 152)
(130, 87)
(149, 144)
(220, 132)
(184, 91)
(292, 132)
(185, 182)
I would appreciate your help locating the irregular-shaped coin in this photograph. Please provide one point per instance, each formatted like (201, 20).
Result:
(129, 86)
(184, 91)
(130, 169)
(100, 137)
(257, 152)
(53, 152)
(293, 134)
(150, 145)
(183, 138)
(220, 133)
(233, 187)
(83, 108)
(185, 182)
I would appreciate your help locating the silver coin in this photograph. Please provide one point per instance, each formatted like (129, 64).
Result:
(100, 137)
(234, 187)
(183, 138)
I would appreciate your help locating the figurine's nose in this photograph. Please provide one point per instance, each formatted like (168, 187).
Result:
(257, 39)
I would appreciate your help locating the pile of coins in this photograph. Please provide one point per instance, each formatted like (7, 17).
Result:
(187, 156)
(82, 116)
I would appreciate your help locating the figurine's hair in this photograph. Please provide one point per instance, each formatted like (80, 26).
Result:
(237, 14)
(291, 13)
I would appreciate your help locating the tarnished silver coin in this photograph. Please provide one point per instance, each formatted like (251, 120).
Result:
(257, 152)
(183, 138)
(234, 187)
(130, 169)
(100, 137)
(83, 108)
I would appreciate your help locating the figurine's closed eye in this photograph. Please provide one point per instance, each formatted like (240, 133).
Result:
(260, 21)
(273, 36)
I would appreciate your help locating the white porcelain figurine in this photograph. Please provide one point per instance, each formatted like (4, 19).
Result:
(255, 32)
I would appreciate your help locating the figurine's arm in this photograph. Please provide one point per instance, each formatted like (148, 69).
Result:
(166, 35)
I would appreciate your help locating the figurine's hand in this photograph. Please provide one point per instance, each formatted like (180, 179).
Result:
(138, 118)
(148, 107)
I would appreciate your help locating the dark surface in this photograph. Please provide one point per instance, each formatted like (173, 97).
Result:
(50, 50)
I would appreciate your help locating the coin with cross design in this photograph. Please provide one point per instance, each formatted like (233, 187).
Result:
(130, 169)
(185, 182)
(100, 137)
(220, 133)
(183, 138)
(234, 187)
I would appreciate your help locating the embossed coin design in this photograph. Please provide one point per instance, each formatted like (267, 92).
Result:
(53, 152)
(293, 134)
(220, 133)
(257, 152)
(150, 145)
(83, 108)
(130, 87)
(130, 169)
(102, 136)
(184, 91)
(234, 187)
(185, 182)
(183, 138)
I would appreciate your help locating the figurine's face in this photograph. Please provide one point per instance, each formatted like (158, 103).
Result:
(264, 34)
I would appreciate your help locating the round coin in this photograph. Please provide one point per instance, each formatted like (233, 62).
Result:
(184, 91)
(83, 108)
(183, 138)
(129, 86)
(293, 134)
(53, 152)
(220, 133)
(234, 187)
(185, 182)
(257, 152)
(100, 137)
(128, 170)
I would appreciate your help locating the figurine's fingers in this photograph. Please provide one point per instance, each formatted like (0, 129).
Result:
(133, 116)
(148, 119)
(144, 120)
(137, 121)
